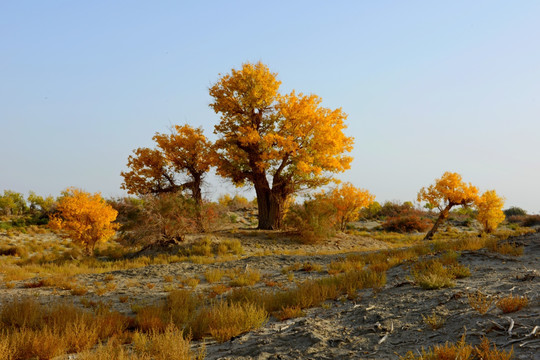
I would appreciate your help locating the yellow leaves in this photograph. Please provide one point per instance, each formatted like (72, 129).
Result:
(251, 88)
(85, 217)
(449, 190)
(185, 148)
(348, 200)
(289, 137)
(490, 213)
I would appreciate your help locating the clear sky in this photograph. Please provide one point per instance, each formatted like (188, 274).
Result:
(429, 86)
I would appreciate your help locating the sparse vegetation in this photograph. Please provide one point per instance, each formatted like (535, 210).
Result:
(481, 302)
(434, 321)
(511, 303)
(460, 350)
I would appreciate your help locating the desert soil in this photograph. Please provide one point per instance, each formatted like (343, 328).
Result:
(377, 325)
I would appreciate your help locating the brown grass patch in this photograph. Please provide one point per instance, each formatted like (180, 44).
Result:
(512, 303)
(224, 320)
(289, 312)
(480, 302)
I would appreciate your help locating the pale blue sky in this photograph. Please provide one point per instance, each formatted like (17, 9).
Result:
(429, 86)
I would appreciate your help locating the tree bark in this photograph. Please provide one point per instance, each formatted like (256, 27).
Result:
(442, 217)
(270, 204)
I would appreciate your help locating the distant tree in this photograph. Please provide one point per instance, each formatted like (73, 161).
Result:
(348, 201)
(12, 203)
(280, 143)
(41, 205)
(179, 162)
(86, 218)
(447, 192)
(490, 213)
(371, 211)
(514, 211)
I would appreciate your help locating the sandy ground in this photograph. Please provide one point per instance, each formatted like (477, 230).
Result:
(378, 325)
(355, 330)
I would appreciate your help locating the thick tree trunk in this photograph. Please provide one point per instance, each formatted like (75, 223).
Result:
(442, 217)
(197, 196)
(270, 204)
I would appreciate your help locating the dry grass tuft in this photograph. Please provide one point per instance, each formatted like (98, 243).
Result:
(214, 275)
(431, 274)
(248, 278)
(289, 312)
(462, 351)
(480, 302)
(346, 265)
(505, 248)
(484, 351)
(224, 320)
(218, 289)
(309, 267)
(512, 303)
(434, 321)
(170, 344)
(31, 330)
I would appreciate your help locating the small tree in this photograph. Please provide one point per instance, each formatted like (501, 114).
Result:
(40, 206)
(12, 203)
(490, 213)
(348, 201)
(86, 218)
(179, 163)
(447, 192)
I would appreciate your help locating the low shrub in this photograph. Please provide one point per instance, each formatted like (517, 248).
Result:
(514, 211)
(247, 278)
(14, 251)
(525, 220)
(313, 221)
(214, 275)
(434, 321)
(407, 223)
(512, 303)
(480, 302)
(224, 320)
(432, 274)
(289, 312)
(170, 344)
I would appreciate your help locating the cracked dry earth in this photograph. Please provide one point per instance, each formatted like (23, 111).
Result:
(382, 325)
(389, 323)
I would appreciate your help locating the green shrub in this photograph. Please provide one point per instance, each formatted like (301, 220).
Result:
(514, 211)
(313, 221)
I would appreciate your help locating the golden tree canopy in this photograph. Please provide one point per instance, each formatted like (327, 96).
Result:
(184, 152)
(290, 138)
(448, 191)
(85, 217)
(490, 213)
(348, 200)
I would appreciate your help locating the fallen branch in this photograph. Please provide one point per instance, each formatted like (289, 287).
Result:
(533, 332)
(498, 325)
(511, 325)
(529, 342)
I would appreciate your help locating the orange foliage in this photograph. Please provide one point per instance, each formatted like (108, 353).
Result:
(263, 134)
(490, 213)
(447, 192)
(152, 171)
(86, 218)
(348, 200)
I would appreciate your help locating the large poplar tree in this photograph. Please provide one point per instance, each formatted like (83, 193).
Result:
(281, 144)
